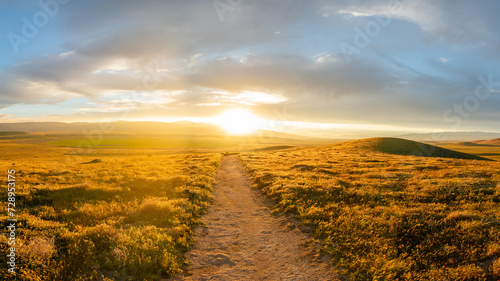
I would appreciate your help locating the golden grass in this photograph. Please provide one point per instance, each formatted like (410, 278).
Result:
(390, 217)
(407, 147)
(128, 216)
(491, 152)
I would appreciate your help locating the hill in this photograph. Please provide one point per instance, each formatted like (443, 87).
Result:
(468, 143)
(11, 133)
(276, 147)
(386, 216)
(488, 142)
(15, 135)
(451, 136)
(407, 147)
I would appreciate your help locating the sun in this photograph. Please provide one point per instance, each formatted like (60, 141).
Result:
(238, 121)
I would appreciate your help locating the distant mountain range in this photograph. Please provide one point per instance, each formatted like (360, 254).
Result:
(452, 136)
(181, 127)
(493, 142)
(197, 129)
(186, 128)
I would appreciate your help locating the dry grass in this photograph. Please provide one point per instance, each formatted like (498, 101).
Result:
(128, 216)
(390, 217)
(491, 152)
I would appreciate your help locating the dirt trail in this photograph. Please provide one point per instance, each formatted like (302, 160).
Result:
(242, 240)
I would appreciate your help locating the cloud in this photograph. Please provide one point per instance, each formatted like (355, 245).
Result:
(175, 33)
(444, 60)
(98, 34)
(55, 78)
(456, 21)
(319, 89)
(177, 58)
(329, 75)
(177, 27)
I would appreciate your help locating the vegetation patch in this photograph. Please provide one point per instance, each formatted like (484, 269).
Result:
(128, 216)
(390, 217)
(406, 147)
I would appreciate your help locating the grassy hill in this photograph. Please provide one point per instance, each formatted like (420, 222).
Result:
(406, 147)
(468, 143)
(489, 142)
(11, 133)
(383, 216)
(15, 136)
(452, 136)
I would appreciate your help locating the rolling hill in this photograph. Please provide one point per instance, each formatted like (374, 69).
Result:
(452, 136)
(406, 147)
(468, 143)
(13, 133)
(488, 142)
(491, 142)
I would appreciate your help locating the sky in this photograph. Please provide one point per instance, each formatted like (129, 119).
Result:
(317, 67)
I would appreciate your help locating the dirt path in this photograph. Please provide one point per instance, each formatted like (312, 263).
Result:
(242, 240)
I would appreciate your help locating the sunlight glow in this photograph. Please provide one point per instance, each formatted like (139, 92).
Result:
(239, 121)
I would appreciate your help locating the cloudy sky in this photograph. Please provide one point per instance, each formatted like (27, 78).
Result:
(320, 66)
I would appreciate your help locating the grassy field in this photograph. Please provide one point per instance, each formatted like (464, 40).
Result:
(107, 214)
(124, 210)
(390, 217)
(491, 152)
(234, 143)
(149, 142)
